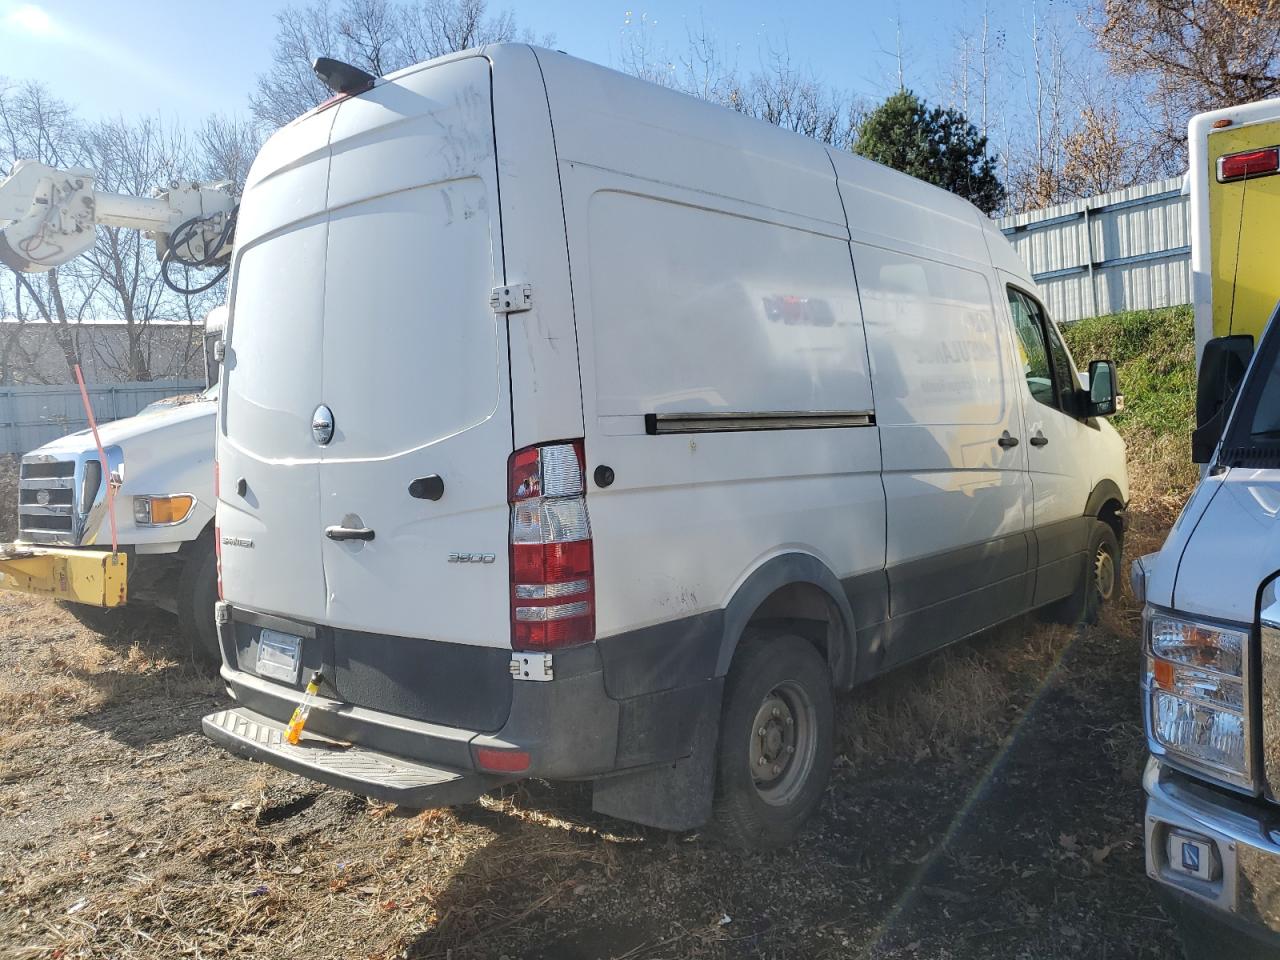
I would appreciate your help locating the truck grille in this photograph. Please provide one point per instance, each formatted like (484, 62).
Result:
(47, 501)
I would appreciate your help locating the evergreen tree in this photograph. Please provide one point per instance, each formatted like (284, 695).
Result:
(935, 145)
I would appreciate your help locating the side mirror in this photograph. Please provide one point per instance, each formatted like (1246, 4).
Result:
(1104, 396)
(1222, 368)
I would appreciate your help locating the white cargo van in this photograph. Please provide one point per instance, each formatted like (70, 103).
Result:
(574, 428)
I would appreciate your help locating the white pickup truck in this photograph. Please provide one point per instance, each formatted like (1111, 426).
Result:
(162, 461)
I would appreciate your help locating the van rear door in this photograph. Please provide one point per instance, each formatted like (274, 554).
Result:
(268, 510)
(414, 365)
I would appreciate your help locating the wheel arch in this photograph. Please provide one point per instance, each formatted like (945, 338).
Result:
(794, 586)
(1107, 504)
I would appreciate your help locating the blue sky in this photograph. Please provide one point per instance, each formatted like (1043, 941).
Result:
(186, 59)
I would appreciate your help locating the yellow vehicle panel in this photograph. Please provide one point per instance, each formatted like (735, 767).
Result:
(1244, 231)
(95, 577)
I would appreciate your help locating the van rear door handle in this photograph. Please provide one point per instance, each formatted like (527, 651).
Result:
(1039, 440)
(348, 533)
(1007, 440)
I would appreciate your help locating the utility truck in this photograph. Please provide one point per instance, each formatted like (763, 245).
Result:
(120, 518)
(1211, 683)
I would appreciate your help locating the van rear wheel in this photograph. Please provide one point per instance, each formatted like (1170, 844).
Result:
(776, 741)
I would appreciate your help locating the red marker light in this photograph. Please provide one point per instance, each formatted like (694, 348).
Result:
(1252, 163)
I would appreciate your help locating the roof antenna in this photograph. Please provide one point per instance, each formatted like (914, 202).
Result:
(341, 77)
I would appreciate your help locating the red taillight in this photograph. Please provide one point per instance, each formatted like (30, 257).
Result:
(552, 575)
(1252, 163)
(502, 761)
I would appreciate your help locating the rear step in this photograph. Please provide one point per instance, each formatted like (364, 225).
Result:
(361, 770)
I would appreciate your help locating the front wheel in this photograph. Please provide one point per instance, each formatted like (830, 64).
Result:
(776, 741)
(1099, 583)
(197, 593)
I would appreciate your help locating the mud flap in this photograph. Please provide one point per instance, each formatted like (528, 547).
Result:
(674, 796)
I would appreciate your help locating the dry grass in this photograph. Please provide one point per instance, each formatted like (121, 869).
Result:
(123, 834)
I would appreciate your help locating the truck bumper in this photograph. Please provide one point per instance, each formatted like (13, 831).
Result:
(1239, 883)
(565, 728)
(96, 577)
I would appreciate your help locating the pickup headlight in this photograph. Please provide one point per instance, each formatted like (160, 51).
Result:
(162, 511)
(1197, 678)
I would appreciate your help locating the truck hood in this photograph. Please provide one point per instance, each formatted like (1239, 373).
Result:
(1224, 546)
(149, 421)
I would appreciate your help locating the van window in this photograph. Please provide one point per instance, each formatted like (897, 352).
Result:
(1032, 349)
(1063, 376)
(1045, 360)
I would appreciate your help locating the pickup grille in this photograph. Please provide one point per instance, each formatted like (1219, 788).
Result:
(47, 501)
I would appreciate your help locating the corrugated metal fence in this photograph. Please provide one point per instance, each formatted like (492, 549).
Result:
(31, 416)
(1125, 250)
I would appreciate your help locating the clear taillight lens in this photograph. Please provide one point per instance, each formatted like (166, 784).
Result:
(552, 574)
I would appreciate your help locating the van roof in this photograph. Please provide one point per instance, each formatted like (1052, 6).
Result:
(617, 122)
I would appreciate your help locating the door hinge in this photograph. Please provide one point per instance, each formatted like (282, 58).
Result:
(516, 298)
(532, 666)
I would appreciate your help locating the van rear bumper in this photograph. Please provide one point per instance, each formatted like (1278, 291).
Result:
(1242, 891)
(360, 770)
(570, 726)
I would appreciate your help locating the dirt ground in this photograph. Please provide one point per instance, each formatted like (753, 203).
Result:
(985, 803)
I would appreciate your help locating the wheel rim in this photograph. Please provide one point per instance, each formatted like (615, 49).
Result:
(1104, 572)
(783, 743)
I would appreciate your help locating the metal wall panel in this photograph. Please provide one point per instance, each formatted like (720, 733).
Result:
(1125, 250)
(31, 416)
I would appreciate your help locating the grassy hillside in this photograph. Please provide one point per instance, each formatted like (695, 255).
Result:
(1154, 351)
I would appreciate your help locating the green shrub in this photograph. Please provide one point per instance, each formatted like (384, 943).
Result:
(1154, 351)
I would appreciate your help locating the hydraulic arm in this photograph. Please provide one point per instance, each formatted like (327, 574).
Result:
(48, 216)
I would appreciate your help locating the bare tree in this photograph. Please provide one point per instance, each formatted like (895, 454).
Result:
(37, 126)
(1194, 55)
(436, 27)
(224, 150)
(132, 158)
(1035, 178)
(290, 88)
(778, 91)
(979, 54)
(378, 36)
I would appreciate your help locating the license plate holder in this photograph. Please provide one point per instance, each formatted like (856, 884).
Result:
(279, 656)
(1192, 855)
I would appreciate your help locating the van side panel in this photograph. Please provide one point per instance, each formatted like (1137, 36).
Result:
(957, 551)
(955, 497)
(731, 292)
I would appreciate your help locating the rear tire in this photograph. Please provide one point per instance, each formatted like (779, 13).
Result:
(1099, 583)
(197, 593)
(776, 741)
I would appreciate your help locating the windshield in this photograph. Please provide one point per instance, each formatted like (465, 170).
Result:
(1254, 430)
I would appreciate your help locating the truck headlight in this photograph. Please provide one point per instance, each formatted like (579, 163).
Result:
(162, 511)
(1197, 678)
